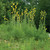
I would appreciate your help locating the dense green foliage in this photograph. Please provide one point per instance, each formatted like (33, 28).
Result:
(19, 20)
(5, 5)
(30, 44)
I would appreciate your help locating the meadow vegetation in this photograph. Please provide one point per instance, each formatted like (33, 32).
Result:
(19, 31)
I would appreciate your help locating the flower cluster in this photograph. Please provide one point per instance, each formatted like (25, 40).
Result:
(5, 18)
(43, 14)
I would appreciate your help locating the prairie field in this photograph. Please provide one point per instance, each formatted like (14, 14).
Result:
(23, 26)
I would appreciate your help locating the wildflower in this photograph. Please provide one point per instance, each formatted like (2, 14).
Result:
(15, 6)
(34, 8)
(13, 9)
(5, 19)
(11, 6)
(41, 12)
(12, 12)
(45, 13)
(26, 9)
(13, 3)
(31, 12)
(18, 14)
(21, 13)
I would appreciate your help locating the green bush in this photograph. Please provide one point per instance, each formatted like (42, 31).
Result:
(21, 31)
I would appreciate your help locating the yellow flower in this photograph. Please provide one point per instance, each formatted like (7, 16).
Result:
(34, 15)
(43, 13)
(18, 14)
(31, 12)
(13, 3)
(21, 13)
(34, 8)
(26, 9)
(5, 19)
(11, 6)
(13, 9)
(15, 6)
